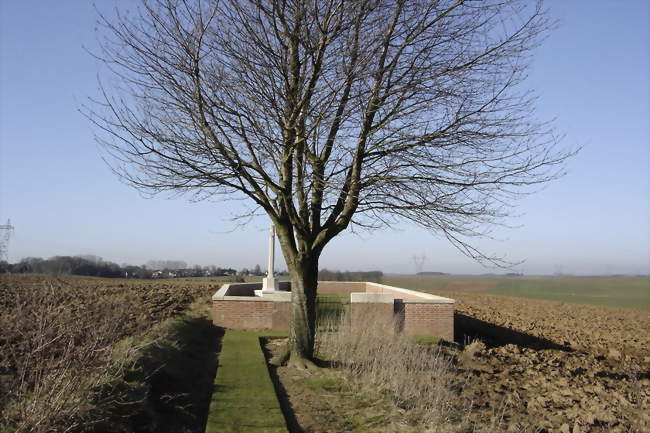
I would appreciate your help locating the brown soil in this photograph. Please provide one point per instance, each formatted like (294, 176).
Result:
(590, 328)
(58, 337)
(559, 366)
(74, 304)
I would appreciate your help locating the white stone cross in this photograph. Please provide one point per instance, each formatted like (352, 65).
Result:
(269, 284)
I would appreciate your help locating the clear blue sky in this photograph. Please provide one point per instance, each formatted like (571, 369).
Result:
(592, 75)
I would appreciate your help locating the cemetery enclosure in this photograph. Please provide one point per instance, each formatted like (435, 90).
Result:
(237, 306)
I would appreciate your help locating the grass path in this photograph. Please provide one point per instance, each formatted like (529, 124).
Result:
(244, 399)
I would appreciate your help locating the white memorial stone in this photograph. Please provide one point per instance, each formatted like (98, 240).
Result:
(269, 285)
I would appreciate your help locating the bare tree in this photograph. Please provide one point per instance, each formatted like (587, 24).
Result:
(329, 113)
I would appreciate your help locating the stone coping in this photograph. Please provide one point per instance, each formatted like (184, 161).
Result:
(410, 296)
(246, 292)
(222, 293)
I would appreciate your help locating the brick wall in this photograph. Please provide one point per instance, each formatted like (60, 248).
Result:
(413, 317)
(239, 314)
(253, 314)
(429, 319)
(341, 287)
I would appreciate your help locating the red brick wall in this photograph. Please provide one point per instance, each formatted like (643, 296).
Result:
(340, 287)
(429, 319)
(242, 314)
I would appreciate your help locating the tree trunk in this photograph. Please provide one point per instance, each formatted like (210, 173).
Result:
(304, 280)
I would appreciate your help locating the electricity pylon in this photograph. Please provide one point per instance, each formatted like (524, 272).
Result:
(5, 235)
(418, 261)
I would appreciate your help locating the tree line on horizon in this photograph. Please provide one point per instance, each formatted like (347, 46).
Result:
(94, 266)
(372, 276)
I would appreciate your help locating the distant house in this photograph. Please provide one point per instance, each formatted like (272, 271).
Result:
(185, 273)
(163, 274)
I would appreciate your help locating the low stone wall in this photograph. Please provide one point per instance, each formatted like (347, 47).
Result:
(236, 306)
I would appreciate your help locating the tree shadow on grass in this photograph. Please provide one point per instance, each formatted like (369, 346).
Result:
(182, 389)
(177, 373)
(285, 404)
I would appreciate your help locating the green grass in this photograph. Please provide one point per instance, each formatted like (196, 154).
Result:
(428, 283)
(627, 292)
(244, 398)
(325, 383)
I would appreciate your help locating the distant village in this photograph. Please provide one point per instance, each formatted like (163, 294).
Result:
(208, 272)
(94, 266)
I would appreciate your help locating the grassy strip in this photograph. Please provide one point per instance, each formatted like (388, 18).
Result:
(244, 399)
(628, 292)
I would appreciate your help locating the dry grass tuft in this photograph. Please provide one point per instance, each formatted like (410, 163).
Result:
(472, 350)
(419, 379)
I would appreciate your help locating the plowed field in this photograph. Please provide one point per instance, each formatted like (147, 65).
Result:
(59, 338)
(555, 366)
